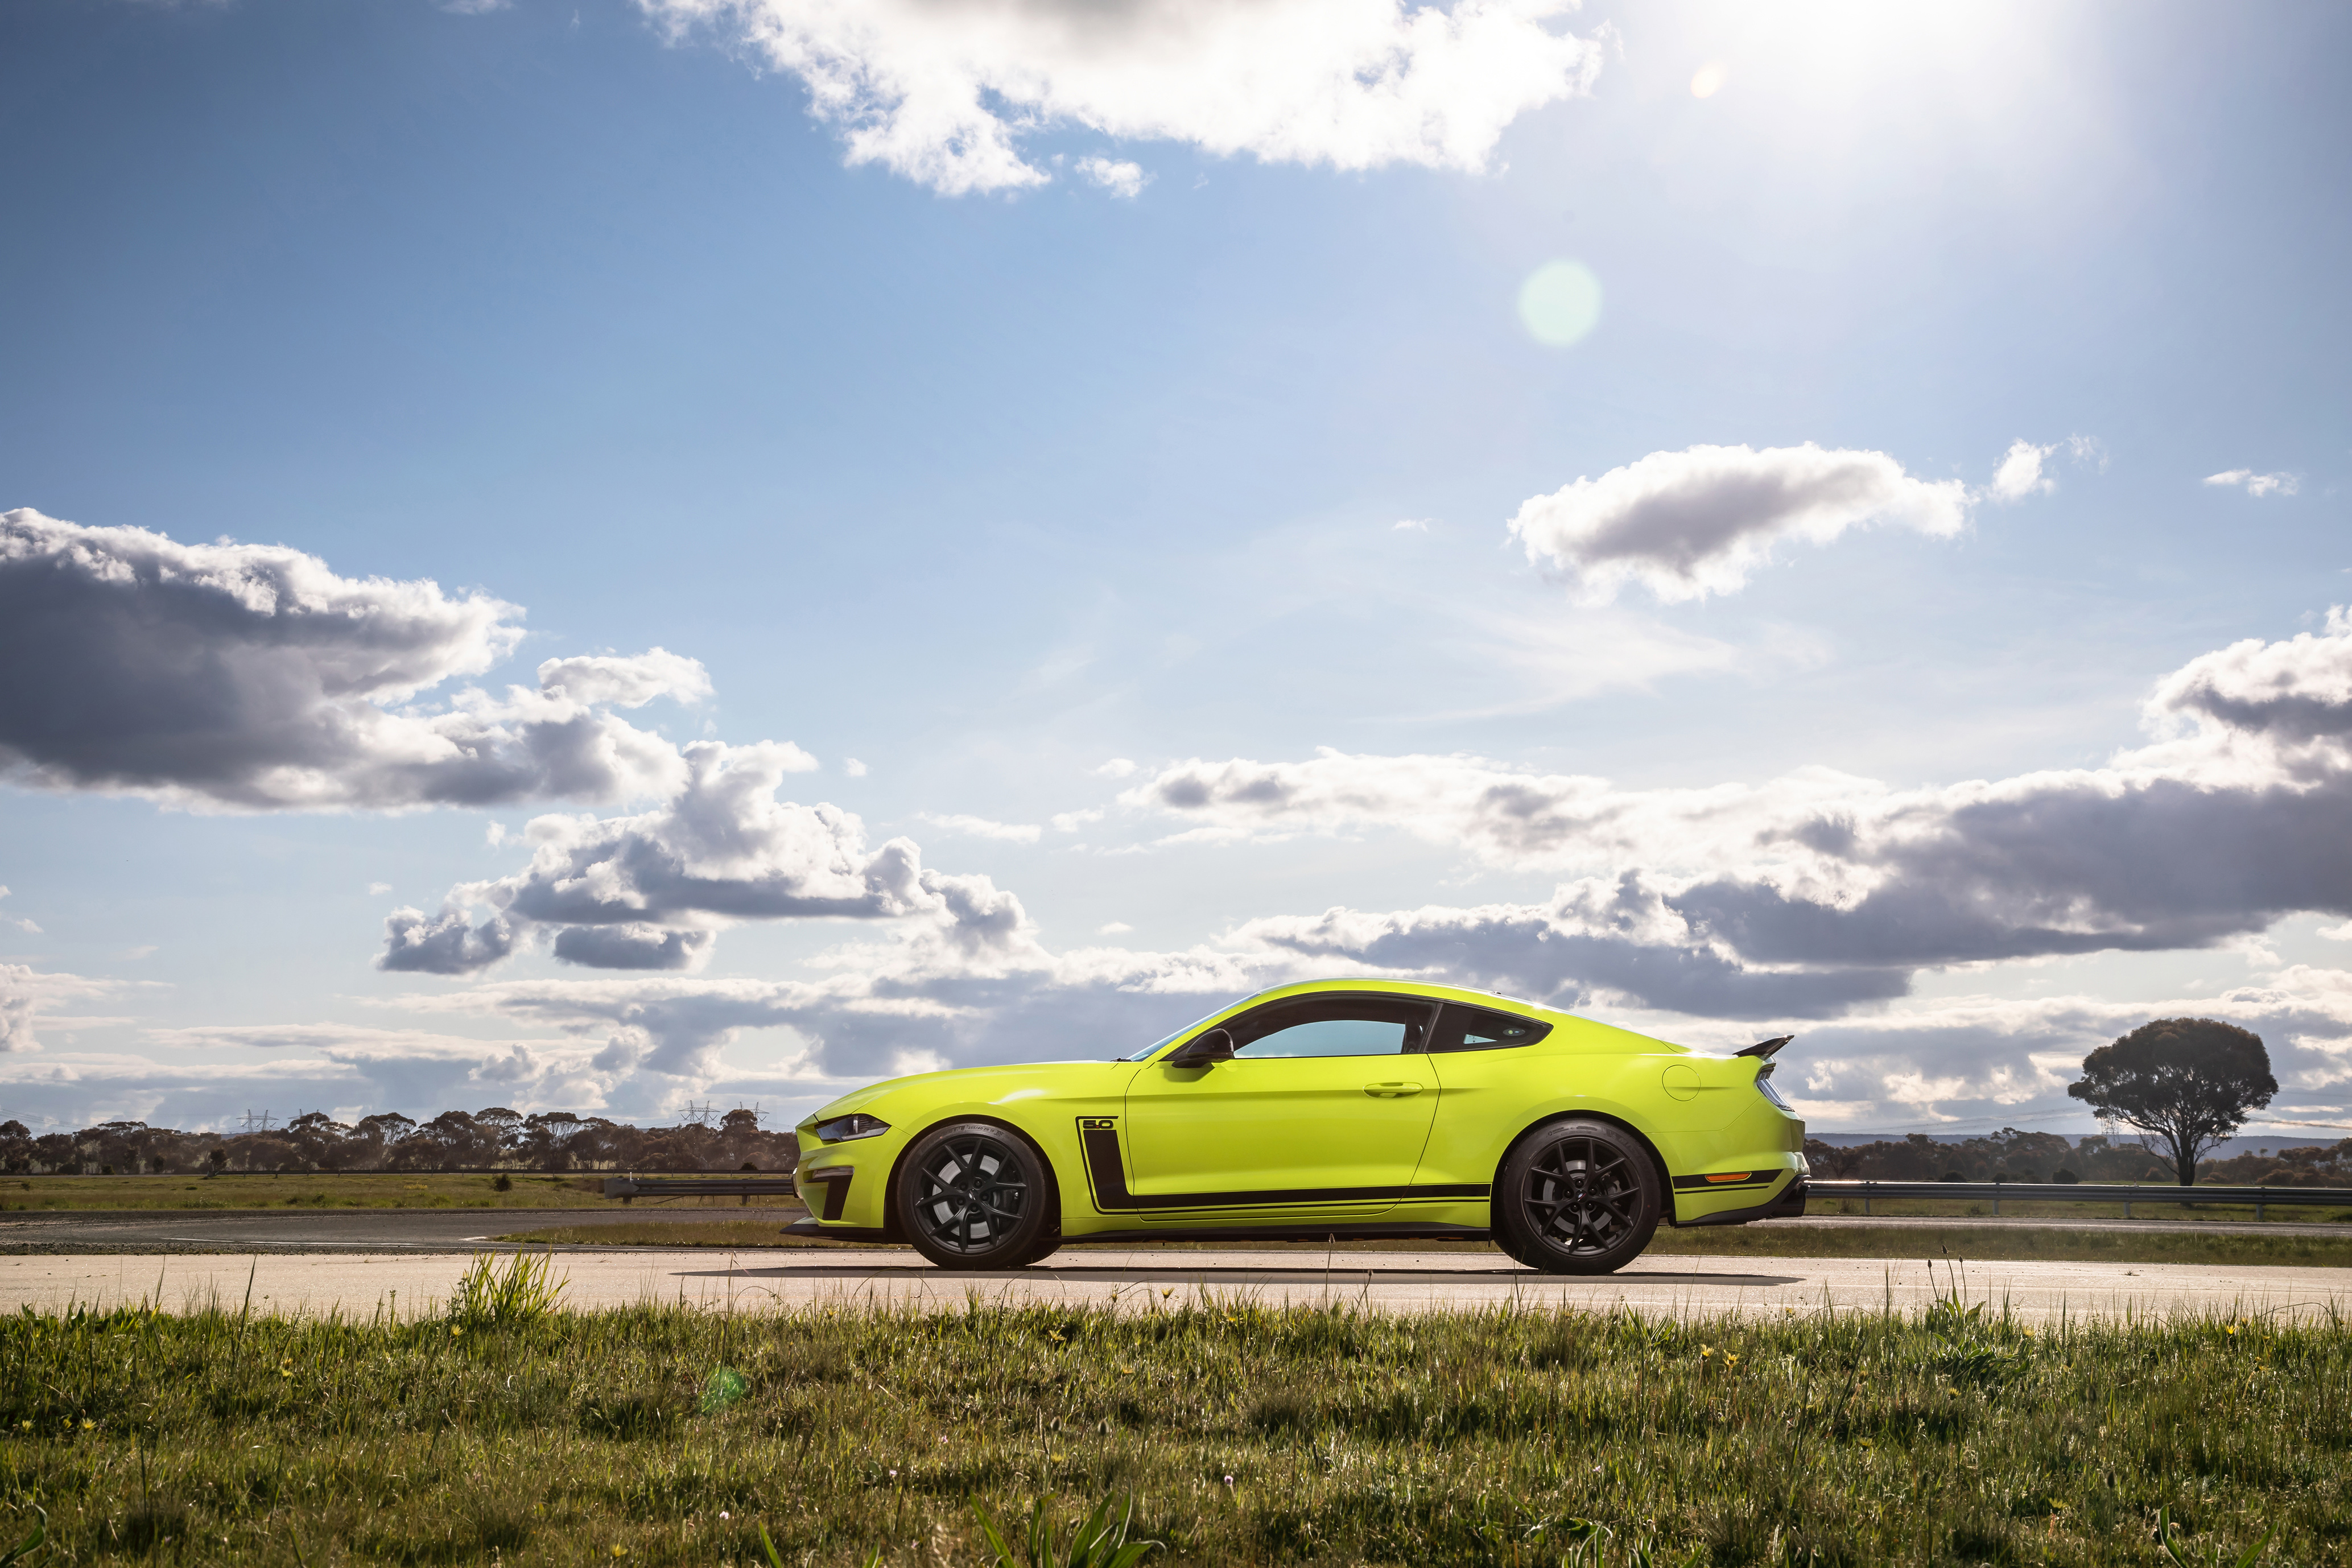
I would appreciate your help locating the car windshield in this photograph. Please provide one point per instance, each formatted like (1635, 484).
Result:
(1146, 1053)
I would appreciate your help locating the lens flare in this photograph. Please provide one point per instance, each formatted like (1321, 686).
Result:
(1709, 80)
(1559, 304)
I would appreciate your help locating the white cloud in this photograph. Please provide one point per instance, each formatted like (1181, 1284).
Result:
(27, 994)
(1120, 179)
(943, 91)
(645, 891)
(1116, 928)
(1412, 525)
(853, 767)
(1071, 821)
(252, 676)
(2023, 472)
(19, 922)
(982, 827)
(2255, 484)
(474, 8)
(1698, 521)
(1117, 768)
(2020, 474)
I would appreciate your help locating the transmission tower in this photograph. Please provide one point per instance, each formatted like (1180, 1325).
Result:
(700, 1114)
(260, 1124)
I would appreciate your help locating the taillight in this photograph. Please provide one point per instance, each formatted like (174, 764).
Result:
(1764, 1087)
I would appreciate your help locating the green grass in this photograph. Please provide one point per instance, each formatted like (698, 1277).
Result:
(1990, 1243)
(315, 1189)
(1247, 1435)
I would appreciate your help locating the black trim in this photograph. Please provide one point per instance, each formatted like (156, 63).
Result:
(1749, 1179)
(834, 1180)
(1765, 1048)
(1392, 1230)
(1106, 1174)
(805, 1228)
(1788, 1205)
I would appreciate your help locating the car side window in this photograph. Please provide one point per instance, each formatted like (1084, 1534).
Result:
(1461, 1028)
(1331, 1026)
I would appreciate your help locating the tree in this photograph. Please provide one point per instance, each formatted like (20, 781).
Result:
(2189, 1081)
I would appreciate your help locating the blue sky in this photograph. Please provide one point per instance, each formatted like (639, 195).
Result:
(1096, 431)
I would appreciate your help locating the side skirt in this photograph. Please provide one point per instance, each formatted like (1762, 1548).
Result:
(801, 1229)
(1395, 1230)
(1402, 1230)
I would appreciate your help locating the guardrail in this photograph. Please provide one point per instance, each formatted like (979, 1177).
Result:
(2126, 1193)
(747, 1187)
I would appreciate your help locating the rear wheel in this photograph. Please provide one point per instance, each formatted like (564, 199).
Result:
(973, 1195)
(1578, 1197)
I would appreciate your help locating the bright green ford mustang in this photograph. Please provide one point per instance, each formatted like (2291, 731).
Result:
(1341, 1108)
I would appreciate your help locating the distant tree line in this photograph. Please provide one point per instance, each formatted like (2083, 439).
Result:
(2011, 1155)
(493, 1139)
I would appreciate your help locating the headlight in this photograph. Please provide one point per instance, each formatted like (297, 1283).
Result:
(848, 1129)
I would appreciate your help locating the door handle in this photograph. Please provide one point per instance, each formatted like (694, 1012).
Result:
(1392, 1091)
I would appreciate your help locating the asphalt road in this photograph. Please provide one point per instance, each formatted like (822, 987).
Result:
(409, 1230)
(409, 1283)
(340, 1230)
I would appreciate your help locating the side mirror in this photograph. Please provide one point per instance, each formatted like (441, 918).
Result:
(1203, 1050)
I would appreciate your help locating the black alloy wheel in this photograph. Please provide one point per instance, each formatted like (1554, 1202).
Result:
(973, 1195)
(1578, 1197)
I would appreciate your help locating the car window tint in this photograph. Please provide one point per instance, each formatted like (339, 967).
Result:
(1477, 1029)
(1340, 1026)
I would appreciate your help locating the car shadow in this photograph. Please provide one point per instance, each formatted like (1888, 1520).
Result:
(1339, 1275)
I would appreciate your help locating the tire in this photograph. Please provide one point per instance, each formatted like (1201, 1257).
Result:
(972, 1195)
(1578, 1197)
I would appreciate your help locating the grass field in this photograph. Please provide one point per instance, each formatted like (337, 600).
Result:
(1991, 1243)
(329, 1189)
(1247, 1436)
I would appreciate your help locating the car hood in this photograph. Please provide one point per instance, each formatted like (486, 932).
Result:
(983, 1084)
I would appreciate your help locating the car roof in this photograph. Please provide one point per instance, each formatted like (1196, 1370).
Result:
(1432, 989)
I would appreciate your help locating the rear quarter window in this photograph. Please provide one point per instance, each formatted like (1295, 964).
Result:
(1461, 1028)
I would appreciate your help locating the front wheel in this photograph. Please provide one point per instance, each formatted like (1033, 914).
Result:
(973, 1195)
(1578, 1197)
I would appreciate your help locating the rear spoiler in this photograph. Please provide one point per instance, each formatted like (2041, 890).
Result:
(1766, 1050)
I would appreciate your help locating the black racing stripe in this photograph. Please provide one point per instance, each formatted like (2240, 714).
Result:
(1292, 1197)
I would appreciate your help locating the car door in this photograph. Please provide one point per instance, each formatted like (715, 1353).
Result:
(1322, 1111)
(1478, 1056)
